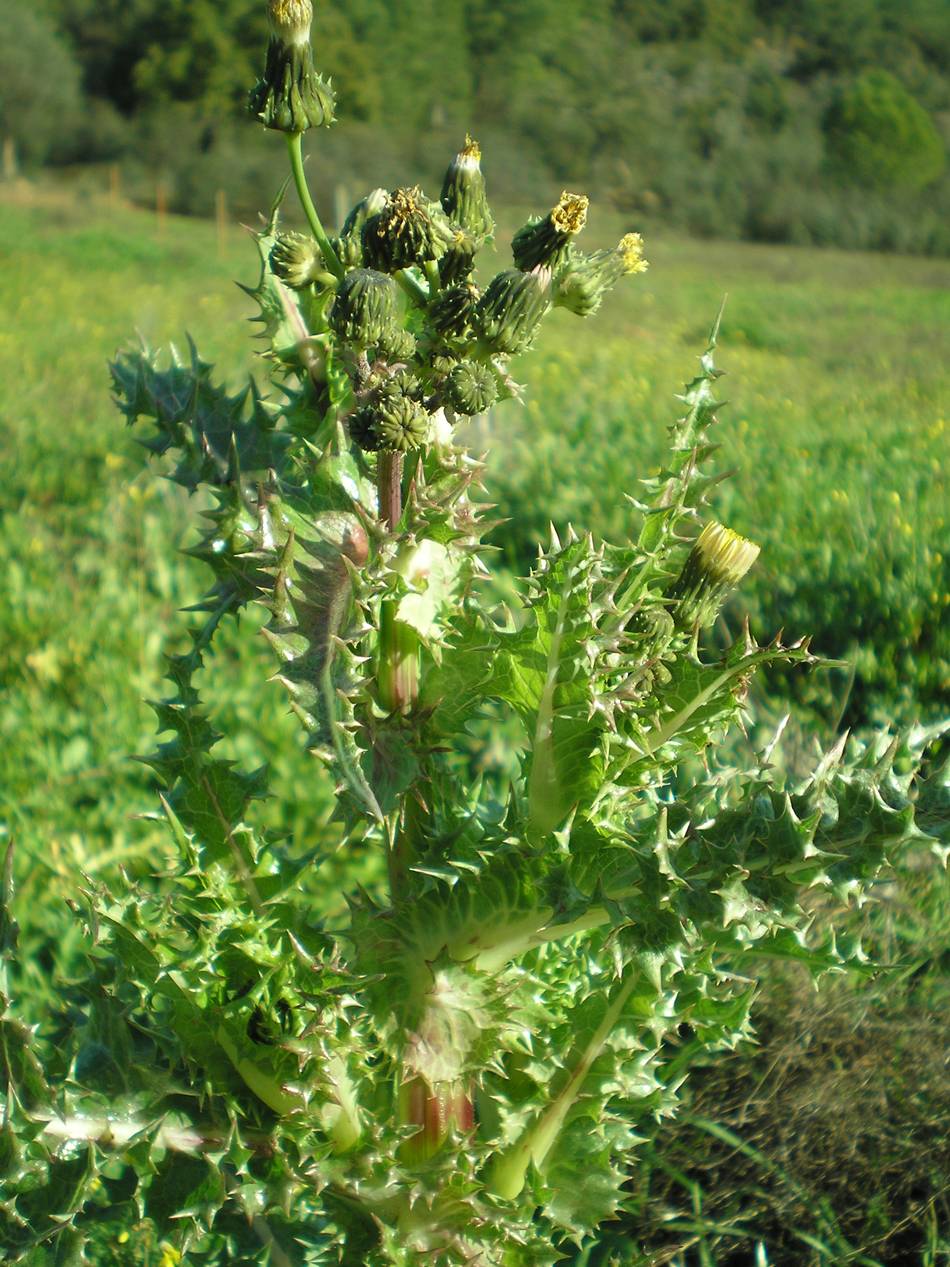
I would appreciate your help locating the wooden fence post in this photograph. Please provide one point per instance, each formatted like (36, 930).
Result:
(161, 206)
(9, 158)
(221, 219)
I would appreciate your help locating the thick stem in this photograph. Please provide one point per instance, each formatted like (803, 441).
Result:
(436, 1114)
(398, 675)
(295, 150)
(389, 488)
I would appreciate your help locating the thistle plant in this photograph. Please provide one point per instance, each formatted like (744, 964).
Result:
(435, 1040)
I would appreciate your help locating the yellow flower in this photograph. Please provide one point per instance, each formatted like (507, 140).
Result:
(723, 556)
(631, 248)
(570, 214)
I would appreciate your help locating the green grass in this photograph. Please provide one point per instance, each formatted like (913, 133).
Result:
(92, 578)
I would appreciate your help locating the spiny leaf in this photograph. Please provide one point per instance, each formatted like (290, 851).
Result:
(195, 419)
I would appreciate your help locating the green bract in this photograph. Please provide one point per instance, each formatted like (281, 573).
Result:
(296, 259)
(452, 312)
(440, 1036)
(507, 316)
(365, 309)
(350, 241)
(408, 230)
(584, 280)
(543, 241)
(464, 197)
(291, 97)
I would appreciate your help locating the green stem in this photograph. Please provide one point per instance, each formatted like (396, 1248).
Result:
(295, 150)
(413, 287)
(398, 673)
(509, 1170)
(398, 676)
(432, 274)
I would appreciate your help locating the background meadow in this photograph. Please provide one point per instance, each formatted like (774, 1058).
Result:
(750, 143)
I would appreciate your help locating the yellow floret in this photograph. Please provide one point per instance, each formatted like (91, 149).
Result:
(723, 555)
(631, 248)
(570, 214)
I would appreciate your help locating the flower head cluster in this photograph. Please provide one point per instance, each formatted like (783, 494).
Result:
(421, 343)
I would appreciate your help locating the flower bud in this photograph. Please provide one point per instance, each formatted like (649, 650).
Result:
(508, 314)
(402, 383)
(464, 199)
(443, 363)
(458, 262)
(471, 388)
(349, 245)
(397, 344)
(291, 96)
(296, 259)
(542, 241)
(718, 561)
(362, 428)
(581, 284)
(408, 230)
(366, 308)
(451, 312)
(402, 424)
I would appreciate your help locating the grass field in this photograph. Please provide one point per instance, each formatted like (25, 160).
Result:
(836, 428)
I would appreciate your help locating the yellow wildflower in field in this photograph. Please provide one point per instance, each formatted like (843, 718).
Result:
(631, 248)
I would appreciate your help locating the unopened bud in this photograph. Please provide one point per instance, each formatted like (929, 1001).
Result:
(362, 428)
(581, 284)
(718, 561)
(366, 308)
(296, 259)
(508, 314)
(451, 312)
(402, 383)
(443, 363)
(458, 262)
(408, 230)
(402, 424)
(471, 388)
(543, 240)
(464, 199)
(397, 344)
(349, 245)
(291, 96)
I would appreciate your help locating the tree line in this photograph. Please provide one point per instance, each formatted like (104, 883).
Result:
(795, 120)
